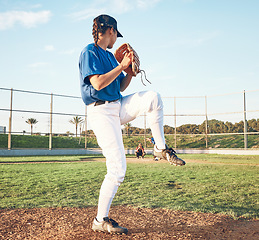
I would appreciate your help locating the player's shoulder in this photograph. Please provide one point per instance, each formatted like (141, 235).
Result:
(89, 50)
(89, 47)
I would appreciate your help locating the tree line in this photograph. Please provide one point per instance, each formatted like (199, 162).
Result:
(217, 126)
(213, 126)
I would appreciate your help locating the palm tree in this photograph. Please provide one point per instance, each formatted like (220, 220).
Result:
(76, 120)
(127, 127)
(31, 121)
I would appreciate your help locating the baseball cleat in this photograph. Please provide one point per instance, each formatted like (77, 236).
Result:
(108, 225)
(168, 154)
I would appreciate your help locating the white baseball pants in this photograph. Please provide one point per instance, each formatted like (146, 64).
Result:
(106, 121)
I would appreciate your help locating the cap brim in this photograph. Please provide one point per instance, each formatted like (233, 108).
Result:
(119, 34)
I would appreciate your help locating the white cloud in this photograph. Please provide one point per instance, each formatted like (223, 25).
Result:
(26, 19)
(113, 7)
(144, 4)
(37, 64)
(206, 38)
(87, 13)
(36, 6)
(68, 52)
(49, 48)
(121, 6)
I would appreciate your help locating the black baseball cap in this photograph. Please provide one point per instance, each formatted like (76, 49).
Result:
(106, 20)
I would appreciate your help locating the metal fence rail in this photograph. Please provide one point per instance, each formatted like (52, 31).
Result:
(173, 104)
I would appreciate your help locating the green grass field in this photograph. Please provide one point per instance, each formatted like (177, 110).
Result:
(225, 187)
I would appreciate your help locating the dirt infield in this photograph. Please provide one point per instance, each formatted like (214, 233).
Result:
(75, 223)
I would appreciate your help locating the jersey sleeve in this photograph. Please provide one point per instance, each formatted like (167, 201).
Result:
(89, 64)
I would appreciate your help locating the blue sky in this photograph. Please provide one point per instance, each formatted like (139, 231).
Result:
(186, 47)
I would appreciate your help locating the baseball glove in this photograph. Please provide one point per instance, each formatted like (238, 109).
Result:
(133, 68)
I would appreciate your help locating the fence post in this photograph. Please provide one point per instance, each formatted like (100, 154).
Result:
(10, 122)
(85, 127)
(245, 122)
(50, 122)
(206, 122)
(175, 141)
(145, 128)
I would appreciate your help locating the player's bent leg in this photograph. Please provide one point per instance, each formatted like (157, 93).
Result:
(138, 103)
(149, 102)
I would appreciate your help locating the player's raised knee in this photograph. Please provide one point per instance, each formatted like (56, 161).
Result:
(155, 99)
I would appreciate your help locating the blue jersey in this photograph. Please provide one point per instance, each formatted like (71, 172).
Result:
(95, 60)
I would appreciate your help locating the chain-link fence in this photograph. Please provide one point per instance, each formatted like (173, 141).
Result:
(216, 121)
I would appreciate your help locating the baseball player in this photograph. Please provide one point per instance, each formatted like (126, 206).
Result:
(102, 80)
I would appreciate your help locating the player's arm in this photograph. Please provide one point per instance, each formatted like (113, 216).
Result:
(125, 82)
(101, 81)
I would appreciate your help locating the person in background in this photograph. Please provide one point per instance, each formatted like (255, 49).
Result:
(140, 152)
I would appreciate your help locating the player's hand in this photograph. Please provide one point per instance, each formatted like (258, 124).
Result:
(127, 60)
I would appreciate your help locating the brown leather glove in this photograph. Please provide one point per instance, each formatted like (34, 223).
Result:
(119, 54)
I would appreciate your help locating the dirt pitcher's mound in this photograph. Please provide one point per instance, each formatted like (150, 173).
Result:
(75, 223)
